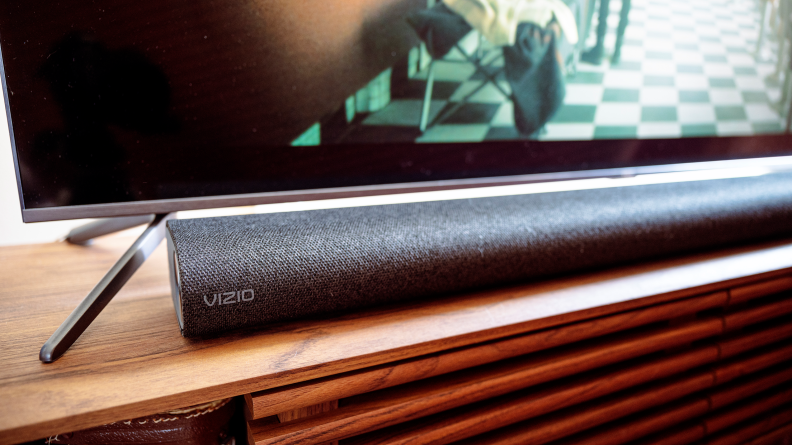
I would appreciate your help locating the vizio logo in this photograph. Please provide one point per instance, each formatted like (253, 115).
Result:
(224, 298)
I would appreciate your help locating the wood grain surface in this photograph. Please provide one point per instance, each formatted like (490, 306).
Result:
(307, 411)
(775, 437)
(680, 435)
(576, 419)
(486, 417)
(303, 412)
(755, 385)
(760, 409)
(736, 344)
(681, 412)
(267, 403)
(742, 294)
(509, 410)
(754, 361)
(400, 404)
(666, 417)
(133, 362)
(565, 423)
(753, 315)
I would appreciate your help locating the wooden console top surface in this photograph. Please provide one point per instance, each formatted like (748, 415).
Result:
(132, 361)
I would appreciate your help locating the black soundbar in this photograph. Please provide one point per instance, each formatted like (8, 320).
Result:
(242, 271)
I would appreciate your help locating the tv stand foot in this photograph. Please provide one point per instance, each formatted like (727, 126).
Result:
(88, 309)
(84, 234)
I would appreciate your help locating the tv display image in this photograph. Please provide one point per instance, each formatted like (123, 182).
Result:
(134, 104)
(651, 69)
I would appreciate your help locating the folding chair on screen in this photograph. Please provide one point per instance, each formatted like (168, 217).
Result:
(442, 31)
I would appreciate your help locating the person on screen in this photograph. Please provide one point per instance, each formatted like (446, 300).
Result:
(595, 54)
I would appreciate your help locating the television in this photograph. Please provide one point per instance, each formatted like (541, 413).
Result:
(140, 107)
(124, 108)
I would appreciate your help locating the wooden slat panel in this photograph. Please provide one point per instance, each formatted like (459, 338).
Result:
(307, 411)
(748, 365)
(501, 413)
(755, 290)
(765, 422)
(556, 426)
(680, 436)
(743, 411)
(505, 411)
(655, 421)
(741, 343)
(733, 393)
(691, 433)
(399, 404)
(270, 402)
(247, 407)
(563, 424)
(250, 439)
(274, 401)
(774, 437)
(754, 315)
(423, 398)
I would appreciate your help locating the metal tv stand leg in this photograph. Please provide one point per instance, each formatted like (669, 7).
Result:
(79, 320)
(84, 234)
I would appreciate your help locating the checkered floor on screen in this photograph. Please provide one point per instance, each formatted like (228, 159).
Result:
(687, 69)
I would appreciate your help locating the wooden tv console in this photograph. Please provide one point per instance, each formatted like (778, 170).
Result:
(686, 347)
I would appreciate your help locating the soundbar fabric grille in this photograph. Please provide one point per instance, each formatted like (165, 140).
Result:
(252, 270)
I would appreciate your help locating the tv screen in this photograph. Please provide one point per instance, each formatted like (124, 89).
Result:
(134, 106)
